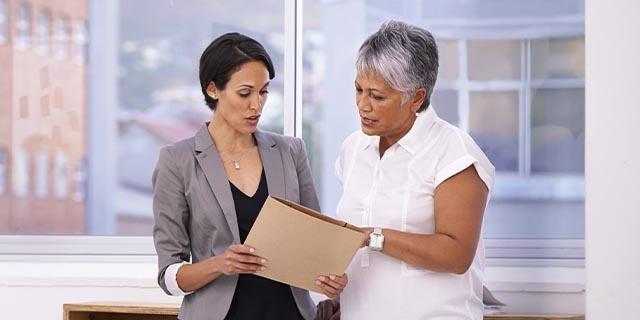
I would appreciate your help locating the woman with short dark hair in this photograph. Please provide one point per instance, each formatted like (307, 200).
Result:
(209, 189)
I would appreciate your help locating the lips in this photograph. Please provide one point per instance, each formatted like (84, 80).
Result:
(253, 120)
(366, 121)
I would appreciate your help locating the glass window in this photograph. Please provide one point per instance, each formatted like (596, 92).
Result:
(61, 175)
(154, 99)
(449, 60)
(3, 21)
(514, 83)
(43, 32)
(42, 175)
(21, 173)
(493, 124)
(3, 170)
(494, 60)
(445, 102)
(23, 26)
(62, 37)
(80, 40)
(557, 58)
(557, 131)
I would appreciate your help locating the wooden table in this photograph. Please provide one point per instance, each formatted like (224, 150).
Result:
(120, 311)
(166, 311)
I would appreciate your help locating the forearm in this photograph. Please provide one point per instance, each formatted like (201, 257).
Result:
(436, 252)
(191, 277)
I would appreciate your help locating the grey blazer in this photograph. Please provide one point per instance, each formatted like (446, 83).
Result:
(195, 216)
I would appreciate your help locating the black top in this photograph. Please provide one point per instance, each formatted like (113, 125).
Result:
(257, 297)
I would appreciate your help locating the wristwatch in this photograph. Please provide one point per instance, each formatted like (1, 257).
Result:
(376, 239)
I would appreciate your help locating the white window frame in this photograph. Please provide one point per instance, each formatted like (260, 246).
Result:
(101, 184)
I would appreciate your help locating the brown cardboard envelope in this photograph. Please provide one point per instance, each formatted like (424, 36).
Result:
(301, 244)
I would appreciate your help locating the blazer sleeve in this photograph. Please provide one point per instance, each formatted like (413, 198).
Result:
(308, 196)
(171, 216)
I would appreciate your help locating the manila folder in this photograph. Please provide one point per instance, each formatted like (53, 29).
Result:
(301, 244)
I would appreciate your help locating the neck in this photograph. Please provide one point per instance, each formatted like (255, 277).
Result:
(226, 138)
(389, 140)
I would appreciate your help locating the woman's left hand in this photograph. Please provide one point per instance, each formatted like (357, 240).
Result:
(332, 285)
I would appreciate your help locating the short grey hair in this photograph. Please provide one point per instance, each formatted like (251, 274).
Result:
(404, 55)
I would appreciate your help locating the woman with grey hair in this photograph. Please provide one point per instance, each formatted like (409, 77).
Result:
(417, 185)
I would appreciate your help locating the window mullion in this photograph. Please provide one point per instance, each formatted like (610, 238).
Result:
(293, 68)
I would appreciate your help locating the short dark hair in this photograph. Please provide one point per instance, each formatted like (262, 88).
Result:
(224, 56)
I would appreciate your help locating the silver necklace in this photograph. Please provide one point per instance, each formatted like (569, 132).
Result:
(236, 163)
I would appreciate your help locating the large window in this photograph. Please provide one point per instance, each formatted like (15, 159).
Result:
(120, 80)
(511, 75)
(69, 172)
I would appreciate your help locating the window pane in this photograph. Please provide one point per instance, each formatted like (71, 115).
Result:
(493, 124)
(3, 21)
(42, 174)
(23, 26)
(44, 31)
(557, 58)
(557, 131)
(448, 55)
(445, 102)
(160, 97)
(494, 60)
(3, 171)
(62, 38)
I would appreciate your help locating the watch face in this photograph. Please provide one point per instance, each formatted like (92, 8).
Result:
(375, 241)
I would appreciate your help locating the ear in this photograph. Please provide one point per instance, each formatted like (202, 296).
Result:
(212, 91)
(417, 99)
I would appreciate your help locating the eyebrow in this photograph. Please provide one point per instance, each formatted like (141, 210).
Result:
(251, 86)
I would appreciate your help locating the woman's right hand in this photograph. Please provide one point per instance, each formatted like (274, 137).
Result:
(238, 259)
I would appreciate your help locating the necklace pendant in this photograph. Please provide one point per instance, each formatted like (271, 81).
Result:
(236, 165)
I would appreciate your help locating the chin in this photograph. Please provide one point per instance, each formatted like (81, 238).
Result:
(368, 131)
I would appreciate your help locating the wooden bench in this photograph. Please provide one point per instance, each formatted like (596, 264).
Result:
(166, 311)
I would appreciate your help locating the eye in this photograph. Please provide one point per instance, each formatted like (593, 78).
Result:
(264, 92)
(377, 97)
(244, 94)
(358, 90)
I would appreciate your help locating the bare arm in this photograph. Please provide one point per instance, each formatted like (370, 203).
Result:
(459, 208)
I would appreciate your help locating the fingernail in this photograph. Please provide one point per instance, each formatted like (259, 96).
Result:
(263, 268)
(322, 278)
(252, 250)
(318, 282)
(263, 261)
(332, 277)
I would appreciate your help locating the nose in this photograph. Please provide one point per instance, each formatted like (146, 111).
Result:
(363, 102)
(257, 102)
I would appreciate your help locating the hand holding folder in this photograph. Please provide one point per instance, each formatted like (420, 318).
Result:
(301, 244)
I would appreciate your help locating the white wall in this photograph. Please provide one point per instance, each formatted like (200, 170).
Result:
(38, 289)
(613, 159)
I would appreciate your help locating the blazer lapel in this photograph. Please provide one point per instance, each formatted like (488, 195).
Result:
(211, 164)
(272, 163)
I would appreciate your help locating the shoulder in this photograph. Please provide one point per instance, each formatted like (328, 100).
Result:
(276, 139)
(351, 141)
(179, 151)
